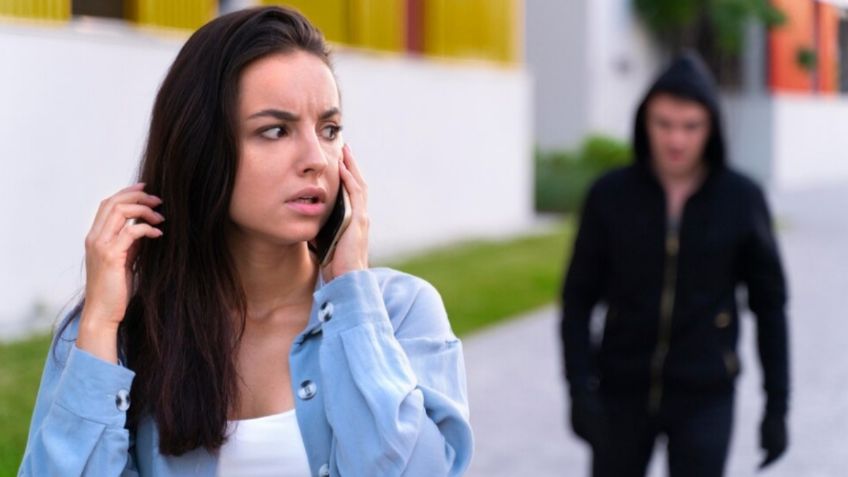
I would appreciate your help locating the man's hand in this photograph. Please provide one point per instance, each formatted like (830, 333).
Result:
(588, 419)
(773, 438)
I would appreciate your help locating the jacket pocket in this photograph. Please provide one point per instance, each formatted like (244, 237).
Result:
(723, 322)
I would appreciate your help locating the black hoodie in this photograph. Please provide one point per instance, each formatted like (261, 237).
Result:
(672, 321)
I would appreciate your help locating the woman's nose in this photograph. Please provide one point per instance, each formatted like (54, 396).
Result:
(313, 157)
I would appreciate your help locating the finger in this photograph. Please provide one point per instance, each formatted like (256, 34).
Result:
(136, 186)
(133, 232)
(354, 189)
(124, 197)
(123, 212)
(132, 252)
(350, 162)
(103, 204)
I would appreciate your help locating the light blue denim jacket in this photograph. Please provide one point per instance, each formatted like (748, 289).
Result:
(378, 378)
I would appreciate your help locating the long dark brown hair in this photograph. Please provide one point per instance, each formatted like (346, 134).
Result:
(179, 333)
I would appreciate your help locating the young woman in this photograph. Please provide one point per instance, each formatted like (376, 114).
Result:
(209, 341)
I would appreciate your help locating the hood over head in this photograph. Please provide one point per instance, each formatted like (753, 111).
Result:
(689, 78)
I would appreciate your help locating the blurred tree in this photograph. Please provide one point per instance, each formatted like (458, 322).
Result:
(807, 58)
(716, 28)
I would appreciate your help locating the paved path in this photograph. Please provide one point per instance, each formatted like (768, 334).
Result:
(517, 394)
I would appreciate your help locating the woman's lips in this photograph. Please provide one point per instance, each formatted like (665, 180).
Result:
(308, 201)
(307, 207)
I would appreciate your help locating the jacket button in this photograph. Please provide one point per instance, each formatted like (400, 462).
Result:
(722, 320)
(324, 471)
(307, 390)
(326, 312)
(122, 400)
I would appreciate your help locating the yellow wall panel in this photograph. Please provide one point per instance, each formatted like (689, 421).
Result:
(186, 14)
(330, 16)
(479, 29)
(379, 24)
(37, 9)
(487, 29)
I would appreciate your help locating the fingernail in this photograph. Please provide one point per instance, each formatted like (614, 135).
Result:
(162, 217)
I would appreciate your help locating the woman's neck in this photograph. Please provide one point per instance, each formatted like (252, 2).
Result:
(274, 277)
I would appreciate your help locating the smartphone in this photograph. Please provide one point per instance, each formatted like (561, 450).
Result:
(325, 242)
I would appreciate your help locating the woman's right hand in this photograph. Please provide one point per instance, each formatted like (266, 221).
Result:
(110, 249)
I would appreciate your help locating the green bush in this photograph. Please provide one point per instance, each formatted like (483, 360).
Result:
(603, 153)
(563, 177)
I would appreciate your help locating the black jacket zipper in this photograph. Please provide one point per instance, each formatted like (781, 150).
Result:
(669, 291)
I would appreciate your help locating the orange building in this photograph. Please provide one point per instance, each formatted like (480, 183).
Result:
(808, 52)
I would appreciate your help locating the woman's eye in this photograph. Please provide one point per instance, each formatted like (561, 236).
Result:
(331, 132)
(274, 133)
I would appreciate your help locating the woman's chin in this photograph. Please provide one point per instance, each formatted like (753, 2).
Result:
(287, 236)
(302, 237)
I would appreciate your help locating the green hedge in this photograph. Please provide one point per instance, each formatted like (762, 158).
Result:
(563, 177)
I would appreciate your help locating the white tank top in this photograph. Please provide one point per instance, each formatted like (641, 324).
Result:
(264, 446)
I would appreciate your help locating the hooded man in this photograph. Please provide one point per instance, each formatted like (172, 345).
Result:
(664, 243)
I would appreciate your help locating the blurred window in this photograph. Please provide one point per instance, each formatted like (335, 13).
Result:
(98, 8)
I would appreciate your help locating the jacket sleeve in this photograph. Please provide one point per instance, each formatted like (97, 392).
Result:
(77, 428)
(582, 289)
(763, 276)
(404, 410)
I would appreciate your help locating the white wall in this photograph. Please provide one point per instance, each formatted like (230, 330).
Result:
(789, 142)
(446, 148)
(749, 132)
(75, 106)
(557, 55)
(809, 140)
(592, 62)
(623, 62)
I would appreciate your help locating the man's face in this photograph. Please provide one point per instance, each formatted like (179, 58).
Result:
(678, 130)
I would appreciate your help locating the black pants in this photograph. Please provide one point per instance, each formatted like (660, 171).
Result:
(697, 428)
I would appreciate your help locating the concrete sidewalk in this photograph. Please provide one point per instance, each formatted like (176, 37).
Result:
(518, 406)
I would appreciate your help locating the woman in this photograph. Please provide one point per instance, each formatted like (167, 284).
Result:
(209, 340)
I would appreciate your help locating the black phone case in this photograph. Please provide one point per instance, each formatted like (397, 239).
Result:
(324, 240)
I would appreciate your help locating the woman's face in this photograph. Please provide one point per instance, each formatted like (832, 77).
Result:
(288, 125)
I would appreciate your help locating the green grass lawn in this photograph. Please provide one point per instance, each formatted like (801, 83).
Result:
(485, 282)
(481, 282)
(20, 372)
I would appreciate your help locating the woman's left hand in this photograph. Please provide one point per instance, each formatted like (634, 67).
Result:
(352, 248)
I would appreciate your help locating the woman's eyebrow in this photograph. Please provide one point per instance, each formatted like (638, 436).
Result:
(329, 114)
(289, 116)
(276, 114)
